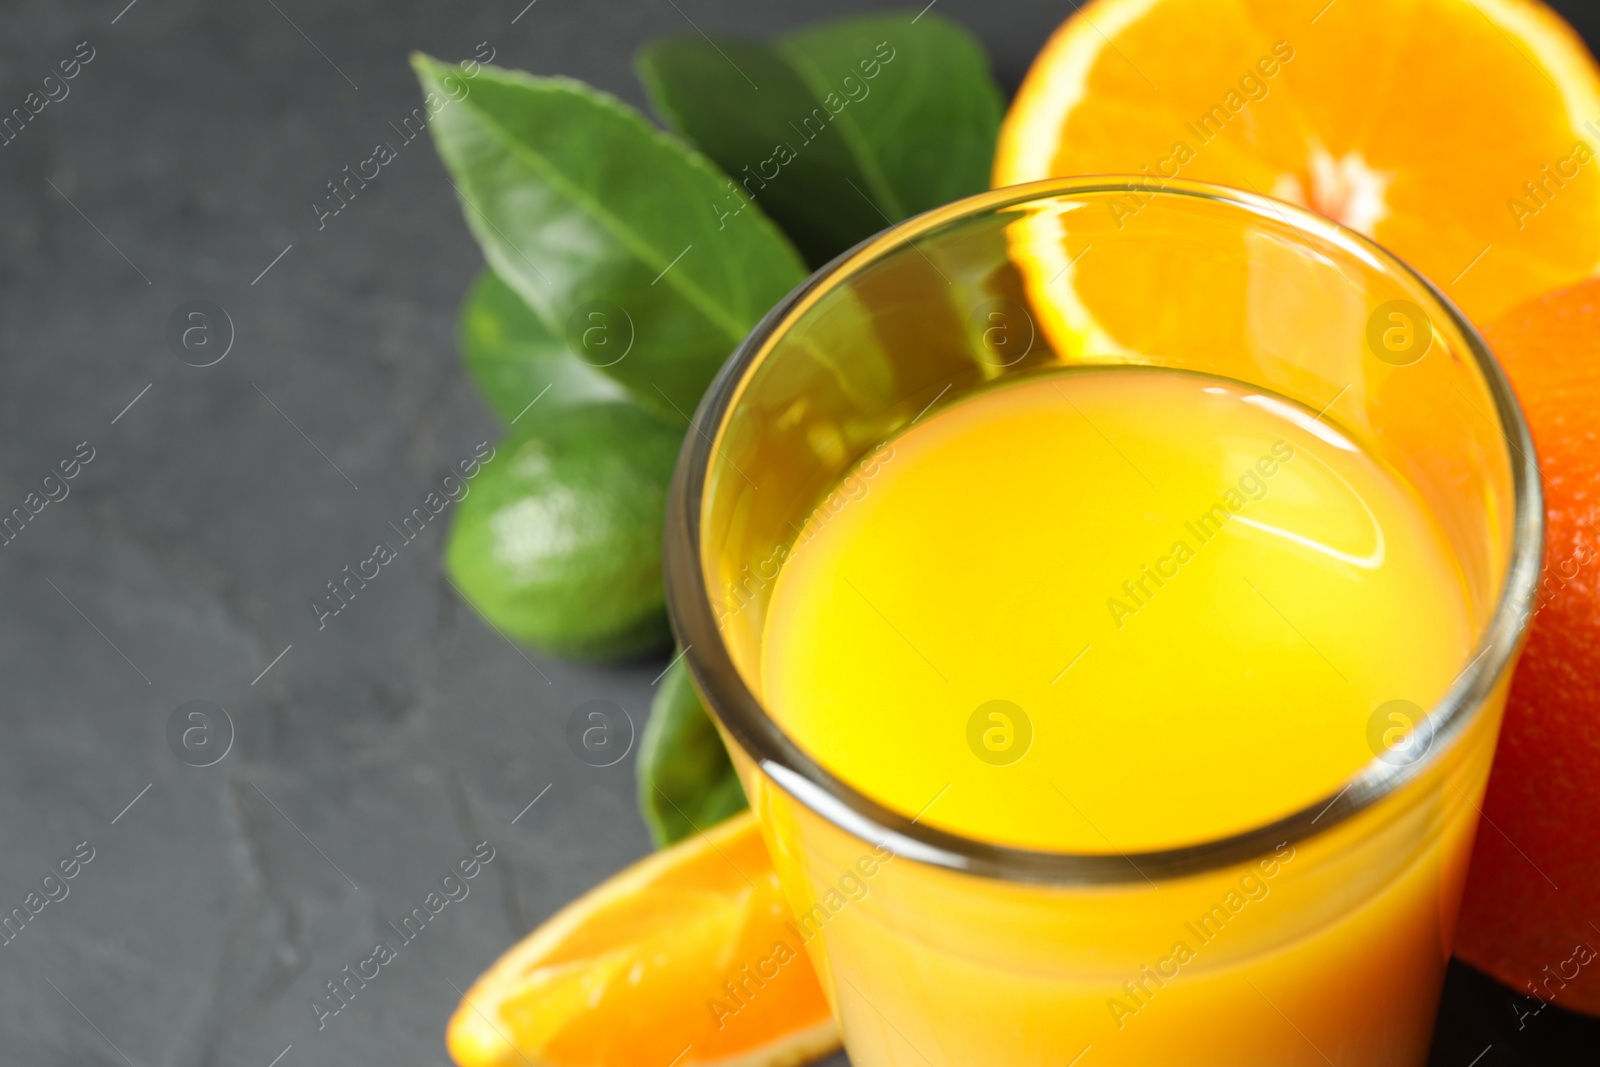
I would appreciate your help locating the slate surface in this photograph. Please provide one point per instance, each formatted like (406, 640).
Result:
(375, 752)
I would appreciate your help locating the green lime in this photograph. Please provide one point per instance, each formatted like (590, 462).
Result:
(558, 542)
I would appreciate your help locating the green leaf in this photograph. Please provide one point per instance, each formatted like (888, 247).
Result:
(856, 124)
(608, 228)
(686, 781)
(516, 361)
(927, 135)
(558, 540)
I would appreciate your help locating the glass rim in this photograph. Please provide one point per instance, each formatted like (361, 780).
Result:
(744, 718)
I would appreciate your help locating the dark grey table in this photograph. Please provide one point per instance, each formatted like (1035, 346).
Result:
(368, 755)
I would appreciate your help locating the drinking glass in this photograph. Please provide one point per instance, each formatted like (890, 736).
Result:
(1317, 938)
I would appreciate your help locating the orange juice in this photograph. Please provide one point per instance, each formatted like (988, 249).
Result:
(1123, 610)
(1178, 600)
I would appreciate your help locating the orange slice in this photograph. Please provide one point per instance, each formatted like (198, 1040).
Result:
(683, 959)
(1463, 135)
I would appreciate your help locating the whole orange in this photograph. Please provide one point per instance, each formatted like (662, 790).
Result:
(1532, 912)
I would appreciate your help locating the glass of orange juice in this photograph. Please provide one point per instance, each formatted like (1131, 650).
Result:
(1108, 594)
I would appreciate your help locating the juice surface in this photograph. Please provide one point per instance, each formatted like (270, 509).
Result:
(1196, 599)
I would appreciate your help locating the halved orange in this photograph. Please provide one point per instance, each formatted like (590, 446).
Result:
(1463, 135)
(682, 960)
